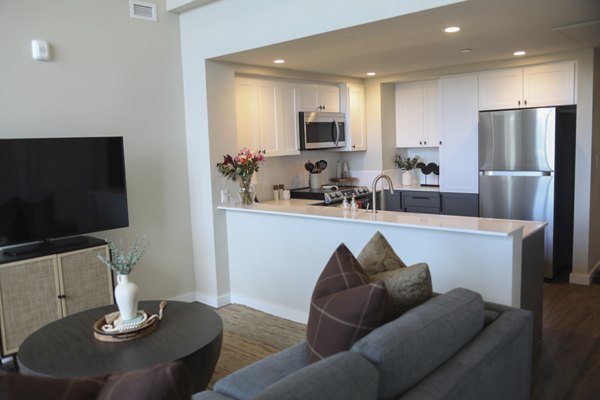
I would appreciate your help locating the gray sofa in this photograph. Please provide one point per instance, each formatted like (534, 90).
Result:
(453, 346)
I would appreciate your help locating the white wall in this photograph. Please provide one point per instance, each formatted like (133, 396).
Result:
(109, 75)
(225, 27)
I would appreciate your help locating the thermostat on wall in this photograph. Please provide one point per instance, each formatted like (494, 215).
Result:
(39, 50)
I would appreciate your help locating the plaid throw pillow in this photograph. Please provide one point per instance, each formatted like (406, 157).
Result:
(345, 306)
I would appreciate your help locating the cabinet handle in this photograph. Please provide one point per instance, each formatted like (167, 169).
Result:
(421, 198)
(425, 142)
(420, 142)
(62, 296)
(353, 146)
(440, 142)
(525, 102)
(519, 102)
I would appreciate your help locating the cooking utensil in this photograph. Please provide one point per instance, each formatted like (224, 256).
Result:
(309, 166)
(321, 164)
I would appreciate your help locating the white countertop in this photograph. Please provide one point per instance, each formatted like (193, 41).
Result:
(482, 226)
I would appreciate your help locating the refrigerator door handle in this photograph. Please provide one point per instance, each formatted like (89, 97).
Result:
(516, 173)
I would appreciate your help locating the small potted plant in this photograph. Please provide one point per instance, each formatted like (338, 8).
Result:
(122, 263)
(407, 164)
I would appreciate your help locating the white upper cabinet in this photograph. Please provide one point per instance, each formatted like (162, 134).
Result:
(352, 98)
(318, 98)
(266, 116)
(417, 114)
(537, 86)
(459, 127)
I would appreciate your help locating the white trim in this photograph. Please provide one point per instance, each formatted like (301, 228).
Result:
(203, 298)
(584, 279)
(273, 309)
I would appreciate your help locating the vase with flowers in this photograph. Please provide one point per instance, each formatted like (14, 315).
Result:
(122, 263)
(407, 164)
(240, 168)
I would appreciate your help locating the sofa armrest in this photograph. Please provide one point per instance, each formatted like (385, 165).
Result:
(496, 364)
(247, 382)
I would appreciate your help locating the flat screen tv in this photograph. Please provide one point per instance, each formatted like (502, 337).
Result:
(54, 188)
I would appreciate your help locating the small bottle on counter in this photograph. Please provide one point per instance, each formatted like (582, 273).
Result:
(280, 189)
(275, 192)
(338, 170)
(346, 170)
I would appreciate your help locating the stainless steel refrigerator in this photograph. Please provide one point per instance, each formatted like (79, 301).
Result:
(526, 172)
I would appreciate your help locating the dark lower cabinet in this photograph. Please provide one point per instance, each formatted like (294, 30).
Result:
(465, 204)
(426, 202)
(421, 202)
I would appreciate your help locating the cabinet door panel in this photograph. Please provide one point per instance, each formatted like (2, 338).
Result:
(357, 122)
(289, 117)
(329, 98)
(28, 299)
(307, 98)
(409, 115)
(431, 112)
(247, 117)
(500, 89)
(549, 85)
(86, 281)
(459, 151)
(268, 97)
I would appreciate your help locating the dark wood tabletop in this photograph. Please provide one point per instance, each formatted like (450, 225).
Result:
(189, 332)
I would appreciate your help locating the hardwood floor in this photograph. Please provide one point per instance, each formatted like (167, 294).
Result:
(569, 364)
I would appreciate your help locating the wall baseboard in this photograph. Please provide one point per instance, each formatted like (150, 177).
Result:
(584, 279)
(205, 299)
(273, 309)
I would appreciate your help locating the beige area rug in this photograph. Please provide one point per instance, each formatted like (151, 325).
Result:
(250, 335)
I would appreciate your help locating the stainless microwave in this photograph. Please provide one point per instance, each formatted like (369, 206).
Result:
(322, 130)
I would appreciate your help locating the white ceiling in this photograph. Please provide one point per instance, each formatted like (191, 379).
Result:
(493, 29)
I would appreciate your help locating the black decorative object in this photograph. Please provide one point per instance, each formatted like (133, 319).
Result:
(428, 169)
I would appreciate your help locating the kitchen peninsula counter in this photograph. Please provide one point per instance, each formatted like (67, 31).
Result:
(277, 250)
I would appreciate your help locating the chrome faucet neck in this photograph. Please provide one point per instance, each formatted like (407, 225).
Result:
(374, 189)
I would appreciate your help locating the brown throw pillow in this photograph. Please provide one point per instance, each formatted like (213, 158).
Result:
(345, 306)
(378, 256)
(163, 382)
(408, 286)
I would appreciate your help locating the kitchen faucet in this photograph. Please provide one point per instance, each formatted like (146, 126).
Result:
(377, 178)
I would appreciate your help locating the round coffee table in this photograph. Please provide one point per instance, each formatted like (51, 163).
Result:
(189, 332)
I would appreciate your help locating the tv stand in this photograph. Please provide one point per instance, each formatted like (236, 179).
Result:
(52, 281)
(48, 246)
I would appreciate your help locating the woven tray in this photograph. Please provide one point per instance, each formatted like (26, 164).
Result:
(145, 328)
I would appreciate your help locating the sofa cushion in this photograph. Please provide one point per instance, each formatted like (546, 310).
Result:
(408, 348)
(162, 382)
(247, 382)
(378, 256)
(345, 306)
(408, 286)
(344, 376)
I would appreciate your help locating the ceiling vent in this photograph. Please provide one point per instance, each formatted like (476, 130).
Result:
(141, 10)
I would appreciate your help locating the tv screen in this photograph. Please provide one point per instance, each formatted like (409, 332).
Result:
(59, 187)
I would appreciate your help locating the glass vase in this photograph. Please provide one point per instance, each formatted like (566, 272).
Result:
(247, 191)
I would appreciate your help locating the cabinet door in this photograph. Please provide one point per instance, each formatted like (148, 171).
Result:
(500, 89)
(29, 293)
(409, 115)
(268, 95)
(246, 112)
(459, 151)
(85, 281)
(431, 114)
(288, 139)
(308, 98)
(329, 98)
(356, 122)
(549, 85)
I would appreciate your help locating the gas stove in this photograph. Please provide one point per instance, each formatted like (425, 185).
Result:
(331, 194)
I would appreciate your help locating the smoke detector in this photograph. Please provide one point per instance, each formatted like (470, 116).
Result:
(142, 10)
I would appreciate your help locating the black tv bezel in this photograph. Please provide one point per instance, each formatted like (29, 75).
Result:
(40, 246)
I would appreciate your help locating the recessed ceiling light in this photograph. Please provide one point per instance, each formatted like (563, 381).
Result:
(465, 51)
(279, 61)
(452, 29)
(371, 73)
(519, 53)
